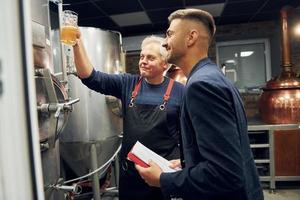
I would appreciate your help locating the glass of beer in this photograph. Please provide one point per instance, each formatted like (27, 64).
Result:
(69, 27)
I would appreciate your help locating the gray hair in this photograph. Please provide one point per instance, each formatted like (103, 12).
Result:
(157, 40)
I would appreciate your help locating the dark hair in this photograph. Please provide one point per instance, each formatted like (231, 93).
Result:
(196, 15)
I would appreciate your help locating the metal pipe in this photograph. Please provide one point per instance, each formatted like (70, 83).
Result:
(57, 107)
(69, 188)
(122, 52)
(116, 171)
(286, 55)
(113, 190)
(62, 50)
(95, 178)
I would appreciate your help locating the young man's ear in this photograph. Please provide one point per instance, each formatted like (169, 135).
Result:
(192, 37)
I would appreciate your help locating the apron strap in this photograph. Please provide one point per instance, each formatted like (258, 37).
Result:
(136, 88)
(167, 94)
(135, 91)
(169, 89)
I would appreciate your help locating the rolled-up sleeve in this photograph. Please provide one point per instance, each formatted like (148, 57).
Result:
(108, 84)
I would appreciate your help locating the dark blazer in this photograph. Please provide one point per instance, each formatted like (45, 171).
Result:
(218, 160)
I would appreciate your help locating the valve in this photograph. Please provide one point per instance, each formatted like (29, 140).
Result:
(57, 107)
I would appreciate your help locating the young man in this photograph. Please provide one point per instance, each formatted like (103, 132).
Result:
(218, 160)
(150, 105)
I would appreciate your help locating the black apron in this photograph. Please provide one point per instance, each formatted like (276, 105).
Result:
(147, 124)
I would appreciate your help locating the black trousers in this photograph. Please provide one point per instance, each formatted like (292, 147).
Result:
(133, 187)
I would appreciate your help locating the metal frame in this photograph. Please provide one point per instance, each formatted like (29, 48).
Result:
(265, 41)
(272, 178)
(20, 156)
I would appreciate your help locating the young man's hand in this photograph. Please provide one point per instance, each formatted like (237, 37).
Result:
(151, 175)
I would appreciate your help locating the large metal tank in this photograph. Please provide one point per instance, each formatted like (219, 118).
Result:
(51, 98)
(96, 119)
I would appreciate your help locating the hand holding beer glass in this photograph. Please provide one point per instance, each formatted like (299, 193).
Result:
(69, 29)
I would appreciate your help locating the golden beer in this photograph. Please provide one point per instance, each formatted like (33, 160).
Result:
(68, 35)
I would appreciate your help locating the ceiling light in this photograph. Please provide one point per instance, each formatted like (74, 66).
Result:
(297, 29)
(131, 19)
(246, 53)
(230, 61)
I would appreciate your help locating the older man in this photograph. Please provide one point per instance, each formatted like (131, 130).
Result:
(150, 104)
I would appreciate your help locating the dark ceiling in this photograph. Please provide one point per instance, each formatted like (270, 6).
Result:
(136, 17)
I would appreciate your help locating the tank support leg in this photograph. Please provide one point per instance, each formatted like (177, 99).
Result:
(116, 170)
(95, 178)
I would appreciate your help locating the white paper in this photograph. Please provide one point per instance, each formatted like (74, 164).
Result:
(146, 154)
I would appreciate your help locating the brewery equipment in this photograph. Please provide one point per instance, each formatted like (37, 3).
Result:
(280, 100)
(177, 74)
(95, 125)
(51, 98)
(280, 104)
(89, 136)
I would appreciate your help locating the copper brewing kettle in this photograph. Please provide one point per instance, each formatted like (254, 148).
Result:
(280, 100)
(177, 74)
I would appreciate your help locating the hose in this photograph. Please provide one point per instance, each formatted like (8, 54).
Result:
(97, 170)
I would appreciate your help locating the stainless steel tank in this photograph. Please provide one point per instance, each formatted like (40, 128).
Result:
(96, 119)
(51, 96)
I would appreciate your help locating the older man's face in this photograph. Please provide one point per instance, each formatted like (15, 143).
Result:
(151, 63)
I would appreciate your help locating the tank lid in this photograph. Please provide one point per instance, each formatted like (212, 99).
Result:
(284, 81)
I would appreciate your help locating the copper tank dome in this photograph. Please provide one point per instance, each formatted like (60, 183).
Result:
(177, 74)
(280, 100)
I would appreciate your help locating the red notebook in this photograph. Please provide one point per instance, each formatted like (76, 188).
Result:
(140, 155)
(136, 160)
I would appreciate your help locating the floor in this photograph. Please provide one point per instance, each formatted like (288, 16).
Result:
(291, 194)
